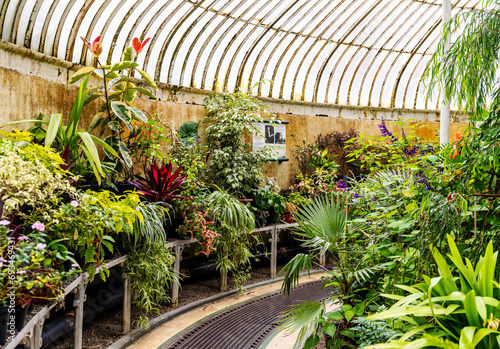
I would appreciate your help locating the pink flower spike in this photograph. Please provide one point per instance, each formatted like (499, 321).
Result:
(4, 222)
(20, 272)
(38, 226)
(23, 238)
(137, 45)
(74, 203)
(41, 245)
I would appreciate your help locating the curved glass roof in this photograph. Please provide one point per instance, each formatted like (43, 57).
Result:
(368, 53)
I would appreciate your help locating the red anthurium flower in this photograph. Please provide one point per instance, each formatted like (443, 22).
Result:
(137, 45)
(95, 47)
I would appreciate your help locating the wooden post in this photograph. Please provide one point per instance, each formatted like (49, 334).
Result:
(78, 304)
(127, 304)
(274, 251)
(37, 334)
(223, 281)
(177, 268)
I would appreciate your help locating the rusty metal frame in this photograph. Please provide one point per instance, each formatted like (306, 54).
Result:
(303, 46)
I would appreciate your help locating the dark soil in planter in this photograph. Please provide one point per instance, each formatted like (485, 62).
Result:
(4, 319)
(21, 316)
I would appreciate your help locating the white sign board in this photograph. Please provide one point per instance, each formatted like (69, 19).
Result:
(272, 135)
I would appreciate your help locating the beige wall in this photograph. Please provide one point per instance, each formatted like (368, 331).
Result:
(31, 86)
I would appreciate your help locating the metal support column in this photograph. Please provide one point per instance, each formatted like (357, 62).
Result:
(444, 135)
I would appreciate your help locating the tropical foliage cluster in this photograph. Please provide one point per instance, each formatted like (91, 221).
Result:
(410, 227)
(414, 237)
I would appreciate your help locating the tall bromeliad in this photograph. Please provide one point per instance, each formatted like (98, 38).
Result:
(159, 184)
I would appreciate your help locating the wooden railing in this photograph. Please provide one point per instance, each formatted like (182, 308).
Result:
(31, 334)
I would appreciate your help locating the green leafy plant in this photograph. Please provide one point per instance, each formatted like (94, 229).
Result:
(150, 268)
(151, 140)
(149, 229)
(304, 153)
(30, 178)
(323, 161)
(117, 114)
(265, 199)
(323, 227)
(234, 222)
(372, 332)
(232, 164)
(461, 309)
(76, 146)
(188, 134)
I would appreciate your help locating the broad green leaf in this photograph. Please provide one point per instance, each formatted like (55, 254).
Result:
(115, 125)
(97, 174)
(471, 310)
(52, 129)
(123, 65)
(116, 80)
(349, 315)
(121, 110)
(125, 153)
(103, 144)
(146, 92)
(129, 93)
(95, 121)
(139, 114)
(81, 73)
(127, 54)
(330, 329)
(312, 341)
(148, 79)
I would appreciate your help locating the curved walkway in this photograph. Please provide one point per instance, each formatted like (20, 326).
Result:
(241, 321)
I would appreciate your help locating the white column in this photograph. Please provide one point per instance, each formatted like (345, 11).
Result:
(445, 108)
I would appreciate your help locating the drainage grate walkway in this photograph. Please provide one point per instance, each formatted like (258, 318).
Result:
(247, 325)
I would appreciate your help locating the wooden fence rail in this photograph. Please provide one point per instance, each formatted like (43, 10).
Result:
(31, 334)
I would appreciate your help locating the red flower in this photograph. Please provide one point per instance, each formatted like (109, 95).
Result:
(458, 136)
(451, 197)
(95, 47)
(137, 45)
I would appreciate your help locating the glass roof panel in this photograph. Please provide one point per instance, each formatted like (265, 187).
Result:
(355, 52)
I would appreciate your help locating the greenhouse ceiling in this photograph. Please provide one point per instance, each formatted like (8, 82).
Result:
(348, 52)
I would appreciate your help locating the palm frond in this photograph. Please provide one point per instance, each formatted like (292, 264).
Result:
(322, 223)
(302, 317)
(292, 270)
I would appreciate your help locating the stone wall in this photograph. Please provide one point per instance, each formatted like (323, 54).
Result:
(33, 83)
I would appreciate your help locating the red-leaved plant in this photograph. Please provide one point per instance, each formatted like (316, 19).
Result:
(159, 184)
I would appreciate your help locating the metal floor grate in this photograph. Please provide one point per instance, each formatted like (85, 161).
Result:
(247, 325)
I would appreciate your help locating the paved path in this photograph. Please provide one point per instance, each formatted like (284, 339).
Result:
(243, 321)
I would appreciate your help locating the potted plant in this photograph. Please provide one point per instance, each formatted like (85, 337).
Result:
(266, 200)
(160, 184)
(232, 165)
(117, 114)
